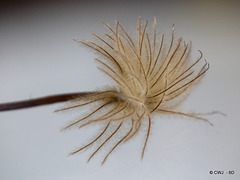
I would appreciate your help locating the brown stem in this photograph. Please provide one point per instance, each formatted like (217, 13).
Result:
(41, 101)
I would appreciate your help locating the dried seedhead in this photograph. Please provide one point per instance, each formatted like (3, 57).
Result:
(150, 75)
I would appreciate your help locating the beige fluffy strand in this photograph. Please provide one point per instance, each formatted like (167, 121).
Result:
(150, 76)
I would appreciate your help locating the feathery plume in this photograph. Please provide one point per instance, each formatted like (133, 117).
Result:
(150, 76)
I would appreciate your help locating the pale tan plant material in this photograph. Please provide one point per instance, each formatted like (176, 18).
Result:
(150, 76)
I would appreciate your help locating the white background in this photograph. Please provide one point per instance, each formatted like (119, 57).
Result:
(38, 57)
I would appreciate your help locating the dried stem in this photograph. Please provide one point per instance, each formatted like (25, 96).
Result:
(42, 101)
